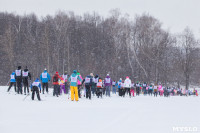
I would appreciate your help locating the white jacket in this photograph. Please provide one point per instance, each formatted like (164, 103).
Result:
(127, 83)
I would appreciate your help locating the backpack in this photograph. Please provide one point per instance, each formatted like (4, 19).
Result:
(55, 79)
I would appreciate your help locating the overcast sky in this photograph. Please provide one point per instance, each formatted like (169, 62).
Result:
(174, 14)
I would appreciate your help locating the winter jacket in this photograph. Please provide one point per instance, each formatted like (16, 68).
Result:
(18, 74)
(12, 77)
(119, 84)
(73, 79)
(36, 83)
(57, 77)
(45, 77)
(79, 82)
(25, 75)
(88, 80)
(127, 83)
(108, 81)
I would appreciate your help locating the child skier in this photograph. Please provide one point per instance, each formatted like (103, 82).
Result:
(99, 88)
(35, 89)
(12, 81)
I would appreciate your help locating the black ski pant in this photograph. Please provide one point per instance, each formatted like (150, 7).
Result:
(128, 90)
(35, 90)
(99, 92)
(155, 93)
(56, 89)
(12, 84)
(150, 92)
(19, 85)
(45, 85)
(88, 91)
(79, 91)
(137, 91)
(26, 86)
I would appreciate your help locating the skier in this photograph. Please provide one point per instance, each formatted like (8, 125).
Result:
(73, 85)
(122, 88)
(155, 90)
(95, 80)
(26, 74)
(65, 76)
(137, 88)
(127, 85)
(35, 89)
(144, 88)
(45, 77)
(79, 85)
(56, 88)
(62, 86)
(113, 87)
(18, 77)
(132, 89)
(119, 86)
(88, 82)
(12, 81)
(99, 88)
(108, 83)
(93, 84)
(150, 89)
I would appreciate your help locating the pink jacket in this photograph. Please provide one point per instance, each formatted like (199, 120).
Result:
(79, 82)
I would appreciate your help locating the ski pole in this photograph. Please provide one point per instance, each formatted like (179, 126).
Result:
(26, 97)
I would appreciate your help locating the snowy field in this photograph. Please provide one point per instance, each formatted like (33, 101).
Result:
(108, 115)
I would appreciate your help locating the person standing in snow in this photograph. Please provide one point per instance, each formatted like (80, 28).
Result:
(108, 84)
(132, 88)
(93, 84)
(56, 88)
(144, 88)
(73, 85)
(137, 89)
(113, 87)
(155, 90)
(45, 78)
(35, 89)
(65, 77)
(127, 85)
(18, 77)
(99, 88)
(119, 86)
(12, 82)
(150, 89)
(96, 79)
(26, 74)
(88, 82)
(79, 85)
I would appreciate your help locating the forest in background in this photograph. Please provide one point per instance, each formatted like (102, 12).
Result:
(119, 45)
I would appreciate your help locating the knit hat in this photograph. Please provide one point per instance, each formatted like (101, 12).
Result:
(74, 71)
(19, 67)
(91, 74)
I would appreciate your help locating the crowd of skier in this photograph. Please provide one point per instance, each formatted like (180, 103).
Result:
(88, 86)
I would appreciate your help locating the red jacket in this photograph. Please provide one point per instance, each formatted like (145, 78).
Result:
(56, 83)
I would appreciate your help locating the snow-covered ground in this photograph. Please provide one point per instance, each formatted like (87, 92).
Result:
(143, 114)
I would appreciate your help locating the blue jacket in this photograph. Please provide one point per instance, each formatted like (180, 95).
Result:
(36, 83)
(45, 80)
(119, 85)
(12, 77)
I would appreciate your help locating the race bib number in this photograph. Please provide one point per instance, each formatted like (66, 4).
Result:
(87, 80)
(74, 79)
(96, 80)
(18, 72)
(44, 75)
(35, 84)
(107, 80)
(12, 76)
(99, 84)
(25, 74)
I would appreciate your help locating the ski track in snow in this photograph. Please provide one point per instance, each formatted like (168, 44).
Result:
(107, 115)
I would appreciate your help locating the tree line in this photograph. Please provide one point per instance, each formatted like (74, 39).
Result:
(118, 45)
